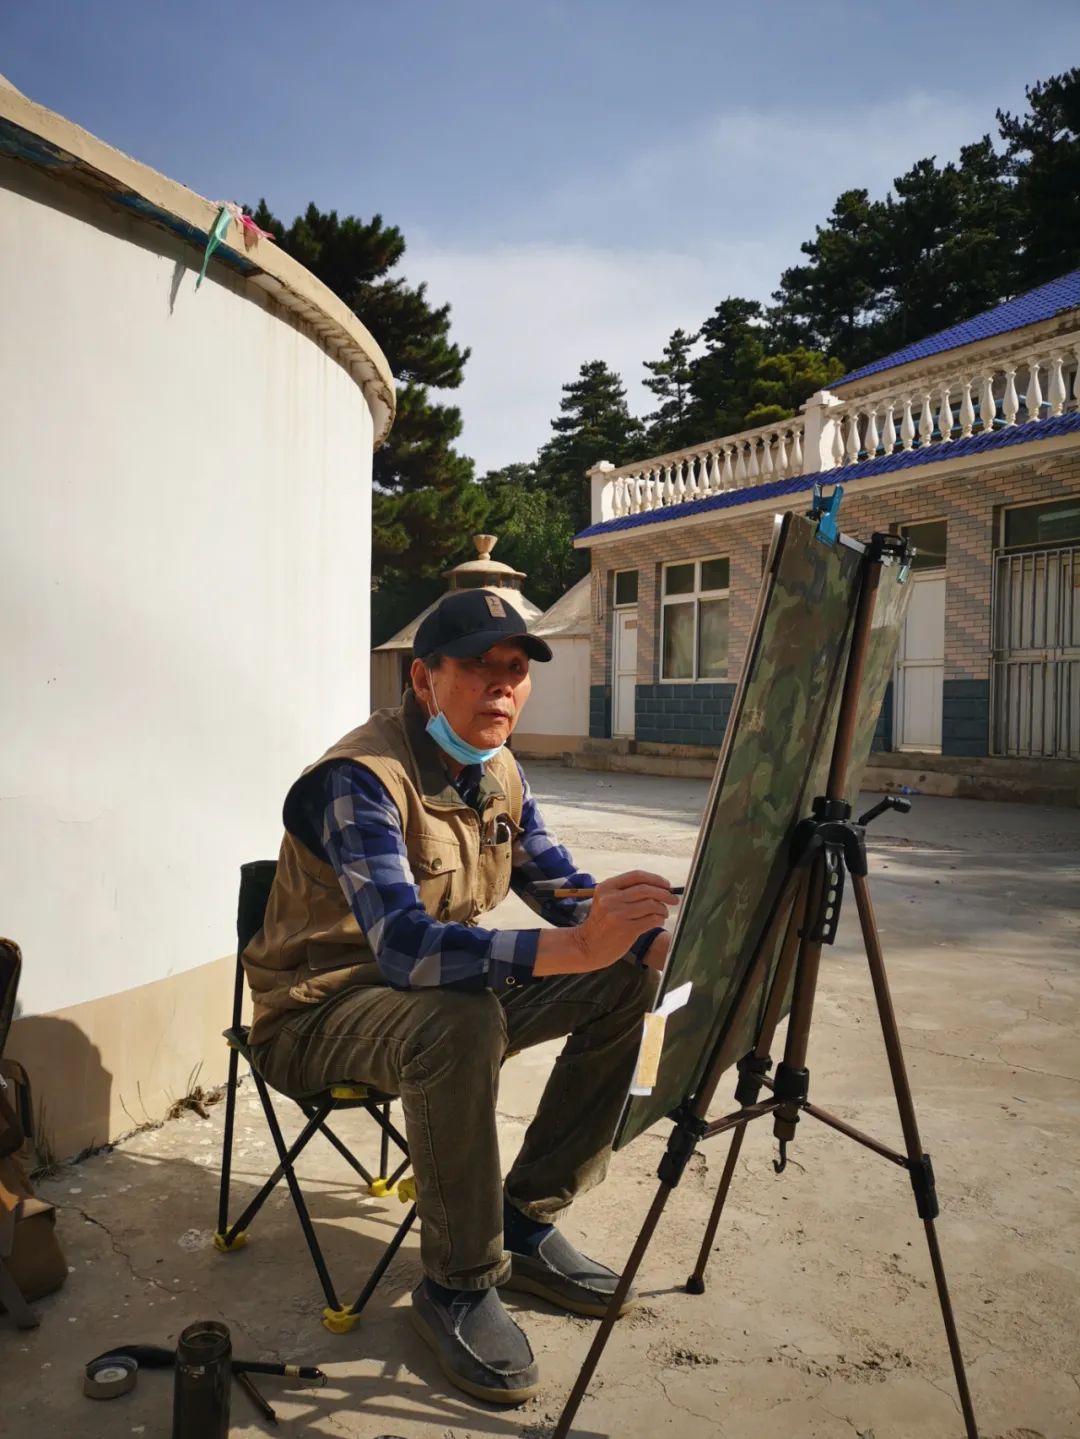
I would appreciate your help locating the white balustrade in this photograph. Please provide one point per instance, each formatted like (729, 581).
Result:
(771, 452)
(942, 409)
(959, 406)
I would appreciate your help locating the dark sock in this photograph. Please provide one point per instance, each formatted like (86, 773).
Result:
(522, 1235)
(445, 1297)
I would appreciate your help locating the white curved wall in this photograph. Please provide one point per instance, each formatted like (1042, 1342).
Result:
(184, 588)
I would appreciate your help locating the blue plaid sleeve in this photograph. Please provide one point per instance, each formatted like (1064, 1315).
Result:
(538, 857)
(360, 830)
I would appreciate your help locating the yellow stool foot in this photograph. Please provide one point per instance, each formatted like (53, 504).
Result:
(238, 1241)
(340, 1321)
(404, 1189)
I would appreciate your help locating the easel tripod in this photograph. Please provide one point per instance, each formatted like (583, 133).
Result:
(825, 848)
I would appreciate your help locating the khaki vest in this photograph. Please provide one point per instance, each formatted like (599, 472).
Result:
(310, 946)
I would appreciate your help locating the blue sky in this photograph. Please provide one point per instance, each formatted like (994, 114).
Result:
(576, 179)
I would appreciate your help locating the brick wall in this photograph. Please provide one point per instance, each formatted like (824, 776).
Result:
(970, 503)
(682, 713)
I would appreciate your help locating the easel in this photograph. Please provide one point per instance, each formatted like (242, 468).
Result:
(825, 847)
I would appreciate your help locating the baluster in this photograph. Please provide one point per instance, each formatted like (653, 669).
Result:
(766, 456)
(926, 421)
(1055, 392)
(639, 493)
(1010, 403)
(618, 500)
(646, 490)
(668, 489)
(1076, 381)
(907, 425)
(853, 438)
(714, 472)
(838, 441)
(945, 413)
(888, 429)
(697, 473)
(740, 467)
(752, 469)
(1034, 392)
(689, 488)
(872, 438)
(727, 472)
(987, 403)
(781, 455)
(967, 411)
(796, 452)
(679, 482)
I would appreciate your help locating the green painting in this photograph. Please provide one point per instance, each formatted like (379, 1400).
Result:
(774, 761)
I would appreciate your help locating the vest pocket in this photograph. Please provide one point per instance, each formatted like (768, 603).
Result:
(436, 864)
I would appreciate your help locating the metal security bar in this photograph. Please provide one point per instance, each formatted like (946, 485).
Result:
(1035, 672)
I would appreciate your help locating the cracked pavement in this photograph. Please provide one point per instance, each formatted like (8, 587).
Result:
(820, 1317)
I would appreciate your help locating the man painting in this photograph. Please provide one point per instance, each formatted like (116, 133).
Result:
(373, 966)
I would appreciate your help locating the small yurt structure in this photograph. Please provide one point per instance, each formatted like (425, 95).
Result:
(390, 661)
(556, 719)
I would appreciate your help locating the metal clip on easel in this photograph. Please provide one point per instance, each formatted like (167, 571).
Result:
(826, 511)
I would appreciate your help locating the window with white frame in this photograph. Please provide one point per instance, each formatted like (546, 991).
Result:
(694, 620)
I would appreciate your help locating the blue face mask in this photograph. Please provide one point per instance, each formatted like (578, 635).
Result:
(451, 743)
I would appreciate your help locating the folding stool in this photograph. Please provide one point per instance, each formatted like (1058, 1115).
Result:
(256, 879)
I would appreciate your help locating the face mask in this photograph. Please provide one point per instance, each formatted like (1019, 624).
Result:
(439, 728)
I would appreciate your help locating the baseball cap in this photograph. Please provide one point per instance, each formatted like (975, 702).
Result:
(467, 623)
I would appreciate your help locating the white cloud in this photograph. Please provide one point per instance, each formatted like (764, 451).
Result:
(717, 212)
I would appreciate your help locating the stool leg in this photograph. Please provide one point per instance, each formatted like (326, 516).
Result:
(227, 1143)
(385, 1262)
(302, 1214)
(384, 1147)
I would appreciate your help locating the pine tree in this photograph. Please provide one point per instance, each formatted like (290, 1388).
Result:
(535, 532)
(947, 246)
(783, 382)
(425, 497)
(671, 426)
(827, 303)
(593, 424)
(734, 337)
(1044, 157)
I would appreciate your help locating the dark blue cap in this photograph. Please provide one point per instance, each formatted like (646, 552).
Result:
(467, 623)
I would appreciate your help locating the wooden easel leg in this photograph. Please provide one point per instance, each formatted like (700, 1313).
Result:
(922, 1175)
(592, 1359)
(748, 1090)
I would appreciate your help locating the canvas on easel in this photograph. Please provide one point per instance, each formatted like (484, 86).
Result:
(774, 760)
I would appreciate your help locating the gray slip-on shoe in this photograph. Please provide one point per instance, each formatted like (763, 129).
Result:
(563, 1276)
(479, 1347)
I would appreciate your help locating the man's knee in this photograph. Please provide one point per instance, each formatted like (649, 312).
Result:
(470, 1024)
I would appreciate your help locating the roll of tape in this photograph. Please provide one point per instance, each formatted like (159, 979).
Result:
(110, 1377)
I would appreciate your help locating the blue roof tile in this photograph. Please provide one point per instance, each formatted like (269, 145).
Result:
(1042, 303)
(904, 460)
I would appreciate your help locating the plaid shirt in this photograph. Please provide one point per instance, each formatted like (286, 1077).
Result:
(359, 832)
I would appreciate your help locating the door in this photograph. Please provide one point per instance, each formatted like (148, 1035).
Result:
(1035, 694)
(920, 665)
(625, 672)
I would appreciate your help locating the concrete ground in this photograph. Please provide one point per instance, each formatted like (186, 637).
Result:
(820, 1317)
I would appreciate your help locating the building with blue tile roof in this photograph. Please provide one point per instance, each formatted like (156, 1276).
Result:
(969, 441)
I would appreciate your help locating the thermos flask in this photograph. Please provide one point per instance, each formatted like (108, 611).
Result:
(202, 1384)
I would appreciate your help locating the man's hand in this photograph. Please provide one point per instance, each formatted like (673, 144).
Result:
(622, 909)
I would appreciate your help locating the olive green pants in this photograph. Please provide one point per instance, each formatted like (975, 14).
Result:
(442, 1050)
